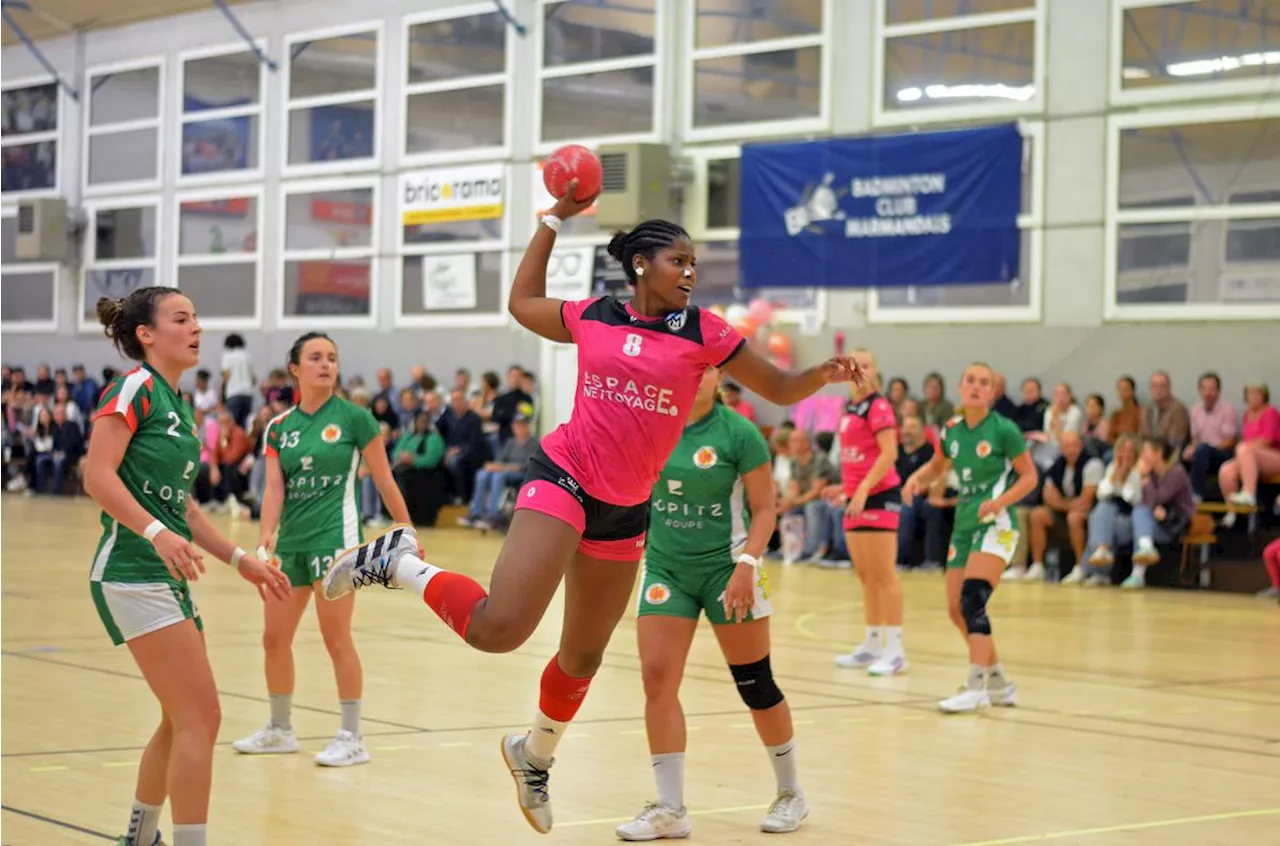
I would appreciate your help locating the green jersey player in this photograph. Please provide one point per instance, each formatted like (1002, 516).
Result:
(143, 457)
(987, 452)
(312, 497)
(702, 555)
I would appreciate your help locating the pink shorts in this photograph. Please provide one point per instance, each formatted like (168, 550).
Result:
(880, 514)
(609, 532)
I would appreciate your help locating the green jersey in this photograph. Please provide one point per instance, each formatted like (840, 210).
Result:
(982, 458)
(158, 469)
(319, 454)
(698, 510)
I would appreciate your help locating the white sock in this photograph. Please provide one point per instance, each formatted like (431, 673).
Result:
(412, 573)
(1139, 572)
(893, 640)
(668, 774)
(977, 677)
(189, 835)
(875, 638)
(544, 737)
(144, 821)
(351, 716)
(281, 710)
(783, 759)
(995, 676)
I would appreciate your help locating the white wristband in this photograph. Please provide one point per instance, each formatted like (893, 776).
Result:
(236, 556)
(551, 222)
(750, 560)
(153, 528)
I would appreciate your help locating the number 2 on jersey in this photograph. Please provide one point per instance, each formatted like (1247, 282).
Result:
(172, 431)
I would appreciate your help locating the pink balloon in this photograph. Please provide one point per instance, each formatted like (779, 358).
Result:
(782, 362)
(760, 310)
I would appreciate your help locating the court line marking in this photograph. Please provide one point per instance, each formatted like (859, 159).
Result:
(706, 812)
(60, 823)
(1114, 829)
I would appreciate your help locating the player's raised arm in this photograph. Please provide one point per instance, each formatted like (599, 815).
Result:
(783, 387)
(528, 302)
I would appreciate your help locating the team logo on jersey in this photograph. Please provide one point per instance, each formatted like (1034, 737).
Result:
(951, 552)
(331, 433)
(657, 593)
(705, 458)
(954, 448)
(676, 320)
(983, 449)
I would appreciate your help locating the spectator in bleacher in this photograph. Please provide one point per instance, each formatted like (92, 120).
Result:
(68, 444)
(1118, 492)
(1096, 427)
(418, 471)
(44, 383)
(422, 381)
(897, 391)
(238, 380)
(1002, 405)
(482, 405)
(84, 391)
(208, 477)
(505, 405)
(462, 382)
(911, 408)
(232, 447)
(1127, 419)
(811, 471)
(1030, 414)
(1069, 488)
(204, 397)
(1164, 417)
(1062, 415)
(939, 520)
(383, 411)
(529, 384)
(914, 450)
(505, 471)
(62, 396)
(781, 444)
(406, 409)
(433, 406)
(937, 408)
(60, 379)
(1258, 453)
(466, 449)
(40, 441)
(1215, 429)
(733, 399)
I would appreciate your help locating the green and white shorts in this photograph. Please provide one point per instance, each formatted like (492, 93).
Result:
(670, 590)
(132, 609)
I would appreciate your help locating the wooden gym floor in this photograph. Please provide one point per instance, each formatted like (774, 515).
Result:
(1149, 718)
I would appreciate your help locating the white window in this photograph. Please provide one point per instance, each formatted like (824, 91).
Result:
(456, 74)
(30, 302)
(600, 72)
(30, 116)
(121, 251)
(332, 84)
(218, 255)
(453, 246)
(1193, 214)
(221, 95)
(999, 302)
(756, 67)
(947, 60)
(1164, 50)
(328, 264)
(123, 142)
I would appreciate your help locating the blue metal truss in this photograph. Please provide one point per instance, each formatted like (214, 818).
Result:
(245, 34)
(34, 50)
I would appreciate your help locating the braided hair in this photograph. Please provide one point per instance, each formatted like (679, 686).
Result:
(645, 240)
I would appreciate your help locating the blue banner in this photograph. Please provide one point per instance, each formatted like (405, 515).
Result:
(931, 208)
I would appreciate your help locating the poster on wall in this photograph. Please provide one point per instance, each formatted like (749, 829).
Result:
(452, 194)
(341, 132)
(212, 146)
(569, 273)
(449, 282)
(927, 208)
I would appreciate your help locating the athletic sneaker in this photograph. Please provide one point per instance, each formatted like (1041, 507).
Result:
(1035, 573)
(1134, 582)
(271, 740)
(1075, 577)
(371, 563)
(1013, 574)
(1270, 593)
(965, 701)
(1244, 498)
(1146, 553)
(860, 658)
(1098, 580)
(530, 776)
(1005, 696)
(345, 750)
(656, 822)
(1102, 557)
(888, 665)
(786, 813)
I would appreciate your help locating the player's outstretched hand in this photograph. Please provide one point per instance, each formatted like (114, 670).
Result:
(179, 555)
(740, 594)
(566, 207)
(841, 369)
(266, 578)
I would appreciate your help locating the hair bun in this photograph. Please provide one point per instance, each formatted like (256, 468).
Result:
(109, 311)
(618, 244)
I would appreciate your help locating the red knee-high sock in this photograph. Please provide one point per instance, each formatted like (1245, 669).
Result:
(454, 597)
(560, 698)
(1271, 555)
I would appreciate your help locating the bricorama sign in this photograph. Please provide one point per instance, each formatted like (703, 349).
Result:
(452, 194)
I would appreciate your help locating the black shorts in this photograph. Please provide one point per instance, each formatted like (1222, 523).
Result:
(611, 532)
(880, 513)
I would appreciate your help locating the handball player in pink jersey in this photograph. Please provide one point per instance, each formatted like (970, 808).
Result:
(869, 486)
(583, 509)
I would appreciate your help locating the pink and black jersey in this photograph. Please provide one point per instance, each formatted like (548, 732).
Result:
(858, 448)
(637, 379)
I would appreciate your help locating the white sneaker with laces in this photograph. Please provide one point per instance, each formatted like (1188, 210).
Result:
(860, 658)
(271, 740)
(965, 701)
(889, 664)
(1075, 577)
(1102, 557)
(345, 750)
(786, 813)
(656, 822)
(1013, 574)
(370, 563)
(1035, 573)
(530, 777)
(1243, 498)
(1004, 697)
(1146, 553)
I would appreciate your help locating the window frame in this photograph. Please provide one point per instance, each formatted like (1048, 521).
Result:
(409, 89)
(501, 244)
(178, 260)
(89, 249)
(1118, 95)
(258, 110)
(289, 104)
(882, 116)
(132, 186)
(657, 60)
(11, 198)
(31, 327)
(1115, 217)
(756, 129)
(372, 253)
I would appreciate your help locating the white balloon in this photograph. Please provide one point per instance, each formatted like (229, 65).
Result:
(735, 313)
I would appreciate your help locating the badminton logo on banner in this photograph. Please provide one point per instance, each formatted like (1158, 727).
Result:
(931, 208)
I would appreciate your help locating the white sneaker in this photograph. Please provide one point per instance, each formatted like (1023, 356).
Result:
(889, 665)
(657, 822)
(1102, 557)
(1098, 580)
(1146, 553)
(531, 781)
(271, 740)
(786, 813)
(1035, 573)
(1243, 498)
(860, 658)
(371, 563)
(965, 701)
(1075, 577)
(345, 750)
(1013, 574)
(1004, 697)
(465, 522)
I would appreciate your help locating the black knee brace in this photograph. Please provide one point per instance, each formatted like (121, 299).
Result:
(973, 605)
(756, 685)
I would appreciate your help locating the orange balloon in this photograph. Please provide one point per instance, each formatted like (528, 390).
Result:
(746, 327)
(780, 345)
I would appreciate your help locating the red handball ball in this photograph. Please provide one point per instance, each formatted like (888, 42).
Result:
(572, 161)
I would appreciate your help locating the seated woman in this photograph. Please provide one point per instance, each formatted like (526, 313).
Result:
(1257, 454)
(418, 471)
